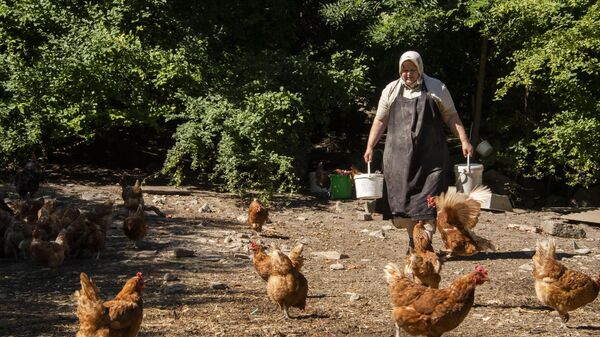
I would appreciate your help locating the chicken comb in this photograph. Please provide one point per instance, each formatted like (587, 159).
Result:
(481, 269)
(139, 275)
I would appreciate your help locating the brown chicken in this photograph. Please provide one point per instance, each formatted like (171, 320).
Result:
(258, 215)
(27, 210)
(14, 234)
(132, 195)
(557, 286)
(61, 215)
(102, 215)
(47, 253)
(262, 261)
(28, 179)
(286, 286)
(430, 312)
(95, 239)
(135, 226)
(98, 222)
(423, 266)
(457, 215)
(120, 317)
(75, 235)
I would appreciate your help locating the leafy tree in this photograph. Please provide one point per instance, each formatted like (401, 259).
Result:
(553, 48)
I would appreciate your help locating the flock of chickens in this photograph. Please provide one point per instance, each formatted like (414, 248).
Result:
(419, 307)
(48, 232)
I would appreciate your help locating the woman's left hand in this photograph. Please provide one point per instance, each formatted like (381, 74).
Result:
(467, 149)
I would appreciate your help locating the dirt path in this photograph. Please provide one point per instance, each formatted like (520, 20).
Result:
(217, 293)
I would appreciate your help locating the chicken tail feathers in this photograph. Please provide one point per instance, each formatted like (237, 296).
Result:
(546, 248)
(463, 209)
(88, 288)
(480, 193)
(90, 311)
(392, 272)
(296, 256)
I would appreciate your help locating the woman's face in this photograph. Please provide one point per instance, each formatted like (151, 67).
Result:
(409, 73)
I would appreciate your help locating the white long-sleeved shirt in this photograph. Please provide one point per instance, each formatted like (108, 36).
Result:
(435, 87)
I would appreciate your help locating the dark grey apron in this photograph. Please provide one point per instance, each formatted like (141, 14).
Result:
(416, 155)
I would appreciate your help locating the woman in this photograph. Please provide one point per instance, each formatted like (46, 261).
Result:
(416, 161)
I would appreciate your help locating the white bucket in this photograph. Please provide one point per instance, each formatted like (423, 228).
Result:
(468, 176)
(369, 185)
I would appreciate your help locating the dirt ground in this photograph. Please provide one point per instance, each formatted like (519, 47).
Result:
(216, 292)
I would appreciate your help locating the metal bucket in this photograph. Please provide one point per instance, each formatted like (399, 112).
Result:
(468, 176)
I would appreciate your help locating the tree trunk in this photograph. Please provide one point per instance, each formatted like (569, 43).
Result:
(479, 94)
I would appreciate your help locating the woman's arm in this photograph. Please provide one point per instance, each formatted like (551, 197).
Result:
(453, 122)
(374, 135)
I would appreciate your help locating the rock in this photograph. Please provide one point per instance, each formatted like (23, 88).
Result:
(180, 252)
(146, 253)
(242, 236)
(90, 196)
(370, 206)
(338, 207)
(365, 217)
(218, 285)
(524, 228)
(228, 239)
(205, 208)
(242, 218)
(170, 277)
(337, 266)
(353, 296)
(305, 241)
(329, 255)
(527, 267)
(562, 229)
(302, 218)
(388, 228)
(174, 288)
(377, 234)
(582, 251)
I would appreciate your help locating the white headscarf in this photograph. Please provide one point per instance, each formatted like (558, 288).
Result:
(415, 58)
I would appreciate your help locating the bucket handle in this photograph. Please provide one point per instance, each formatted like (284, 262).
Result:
(469, 163)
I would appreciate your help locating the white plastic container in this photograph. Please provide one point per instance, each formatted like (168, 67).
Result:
(468, 176)
(369, 185)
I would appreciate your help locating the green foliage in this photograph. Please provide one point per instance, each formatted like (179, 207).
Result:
(557, 65)
(255, 136)
(388, 23)
(72, 74)
(568, 147)
(242, 88)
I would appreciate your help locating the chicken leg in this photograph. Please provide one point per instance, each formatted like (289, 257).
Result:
(565, 318)
(285, 311)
